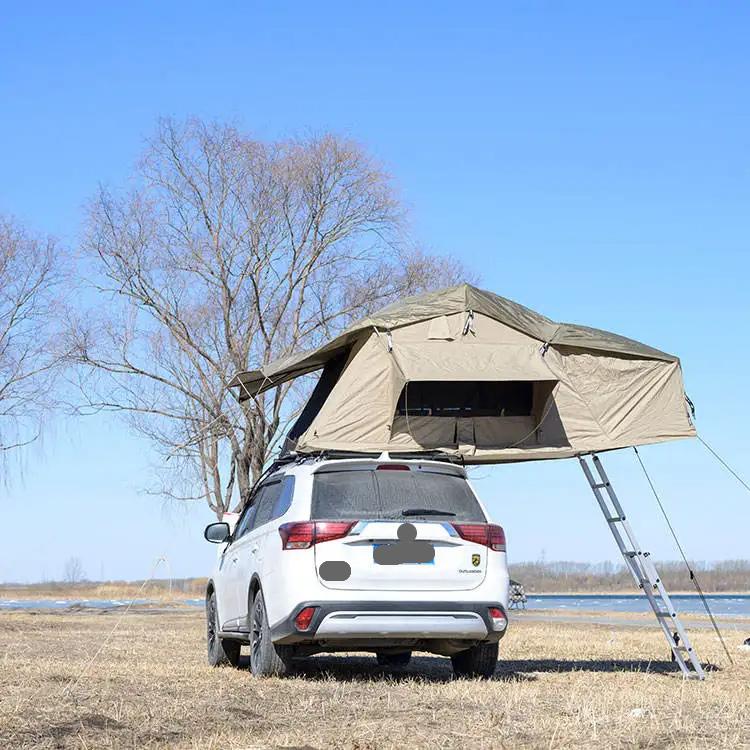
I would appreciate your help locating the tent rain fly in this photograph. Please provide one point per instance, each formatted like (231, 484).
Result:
(469, 374)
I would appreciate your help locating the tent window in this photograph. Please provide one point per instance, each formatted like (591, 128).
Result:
(467, 399)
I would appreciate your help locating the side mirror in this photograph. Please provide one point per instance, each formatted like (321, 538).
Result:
(217, 532)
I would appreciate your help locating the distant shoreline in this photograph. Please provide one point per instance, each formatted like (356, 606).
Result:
(126, 592)
(634, 592)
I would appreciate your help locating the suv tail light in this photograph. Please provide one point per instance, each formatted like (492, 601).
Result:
(487, 534)
(306, 534)
(499, 620)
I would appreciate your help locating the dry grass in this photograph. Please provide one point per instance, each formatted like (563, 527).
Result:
(557, 685)
(160, 590)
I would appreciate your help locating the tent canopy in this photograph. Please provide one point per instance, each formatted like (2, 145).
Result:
(468, 373)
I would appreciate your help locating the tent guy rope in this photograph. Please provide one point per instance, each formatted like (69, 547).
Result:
(690, 570)
(724, 464)
(75, 680)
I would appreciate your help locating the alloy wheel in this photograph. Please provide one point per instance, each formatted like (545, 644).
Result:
(256, 635)
(211, 622)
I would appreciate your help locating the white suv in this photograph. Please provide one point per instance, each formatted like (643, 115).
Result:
(300, 573)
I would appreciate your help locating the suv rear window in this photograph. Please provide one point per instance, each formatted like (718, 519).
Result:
(363, 495)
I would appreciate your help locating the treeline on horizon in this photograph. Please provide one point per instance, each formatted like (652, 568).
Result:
(563, 576)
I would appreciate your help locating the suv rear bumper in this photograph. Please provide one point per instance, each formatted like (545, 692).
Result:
(390, 620)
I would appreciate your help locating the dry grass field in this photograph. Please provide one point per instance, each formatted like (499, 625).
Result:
(161, 590)
(557, 685)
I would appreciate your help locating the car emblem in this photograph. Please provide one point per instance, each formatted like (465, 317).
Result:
(475, 559)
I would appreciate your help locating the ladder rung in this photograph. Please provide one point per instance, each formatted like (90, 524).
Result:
(599, 485)
(665, 614)
(681, 648)
(615, 519)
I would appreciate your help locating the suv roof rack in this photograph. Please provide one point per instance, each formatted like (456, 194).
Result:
(430, 455)
(427, 456)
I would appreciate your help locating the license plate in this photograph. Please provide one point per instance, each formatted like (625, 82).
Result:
(432, 562)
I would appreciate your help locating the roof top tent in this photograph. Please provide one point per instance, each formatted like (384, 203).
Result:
(471, 376)
(465, 373)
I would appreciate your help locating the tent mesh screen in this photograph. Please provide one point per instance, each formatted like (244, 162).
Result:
(466, 399)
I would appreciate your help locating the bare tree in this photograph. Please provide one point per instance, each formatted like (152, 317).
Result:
(226, 253)
(74, 572)
(30, 277)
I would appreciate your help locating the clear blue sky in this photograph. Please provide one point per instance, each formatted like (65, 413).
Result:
(588, 159)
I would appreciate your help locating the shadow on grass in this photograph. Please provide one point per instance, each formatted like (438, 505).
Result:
(435, 669)
(530, 666)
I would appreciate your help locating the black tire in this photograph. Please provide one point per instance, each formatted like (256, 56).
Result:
(221, 652)
(394, 661)
(477, 661)
(265, 658)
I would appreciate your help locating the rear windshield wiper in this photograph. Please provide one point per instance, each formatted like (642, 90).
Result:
(426, 512)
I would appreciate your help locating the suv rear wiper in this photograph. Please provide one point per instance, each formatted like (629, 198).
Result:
(426, 512)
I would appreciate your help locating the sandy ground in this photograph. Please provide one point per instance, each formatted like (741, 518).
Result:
(558, 684)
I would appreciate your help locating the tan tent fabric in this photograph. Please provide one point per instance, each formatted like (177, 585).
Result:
(532, 388)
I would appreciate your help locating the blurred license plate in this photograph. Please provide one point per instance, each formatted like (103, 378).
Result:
(432, 562)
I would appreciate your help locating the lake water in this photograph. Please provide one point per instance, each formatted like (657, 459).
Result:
(721, 605)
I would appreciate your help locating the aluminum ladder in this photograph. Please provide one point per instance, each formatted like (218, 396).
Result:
(643, 570)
